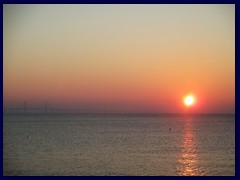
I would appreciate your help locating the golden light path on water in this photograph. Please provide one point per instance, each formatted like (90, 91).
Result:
(188, 163)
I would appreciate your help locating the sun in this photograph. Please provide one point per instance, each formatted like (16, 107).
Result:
(189, 100)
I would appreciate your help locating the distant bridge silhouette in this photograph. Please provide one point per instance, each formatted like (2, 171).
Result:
(53, 110)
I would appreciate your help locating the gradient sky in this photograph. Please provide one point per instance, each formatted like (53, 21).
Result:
(134, 57)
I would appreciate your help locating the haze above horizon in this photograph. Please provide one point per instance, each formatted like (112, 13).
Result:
(133, 57)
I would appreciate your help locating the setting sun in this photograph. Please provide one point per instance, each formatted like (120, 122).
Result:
(189, 100)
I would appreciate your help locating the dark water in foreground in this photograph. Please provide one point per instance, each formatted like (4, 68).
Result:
(118, 145)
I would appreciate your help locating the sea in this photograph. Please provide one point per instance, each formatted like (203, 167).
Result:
(118, 145)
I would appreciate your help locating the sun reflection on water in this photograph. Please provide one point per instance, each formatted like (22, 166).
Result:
(188, 162)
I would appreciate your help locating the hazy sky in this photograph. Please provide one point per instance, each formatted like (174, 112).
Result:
(143, 57)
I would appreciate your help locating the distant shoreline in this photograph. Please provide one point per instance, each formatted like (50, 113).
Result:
(118, 114)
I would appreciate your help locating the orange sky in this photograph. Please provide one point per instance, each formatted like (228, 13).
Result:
(143, 57)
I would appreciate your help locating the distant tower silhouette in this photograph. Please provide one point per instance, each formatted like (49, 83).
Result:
(46, 106)
(25, 107)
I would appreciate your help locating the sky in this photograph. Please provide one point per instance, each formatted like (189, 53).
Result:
(127, 57)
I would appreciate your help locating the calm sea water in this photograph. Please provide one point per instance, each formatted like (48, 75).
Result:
(118, 145)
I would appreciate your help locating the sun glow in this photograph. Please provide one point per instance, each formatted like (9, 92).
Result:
(189, 100)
